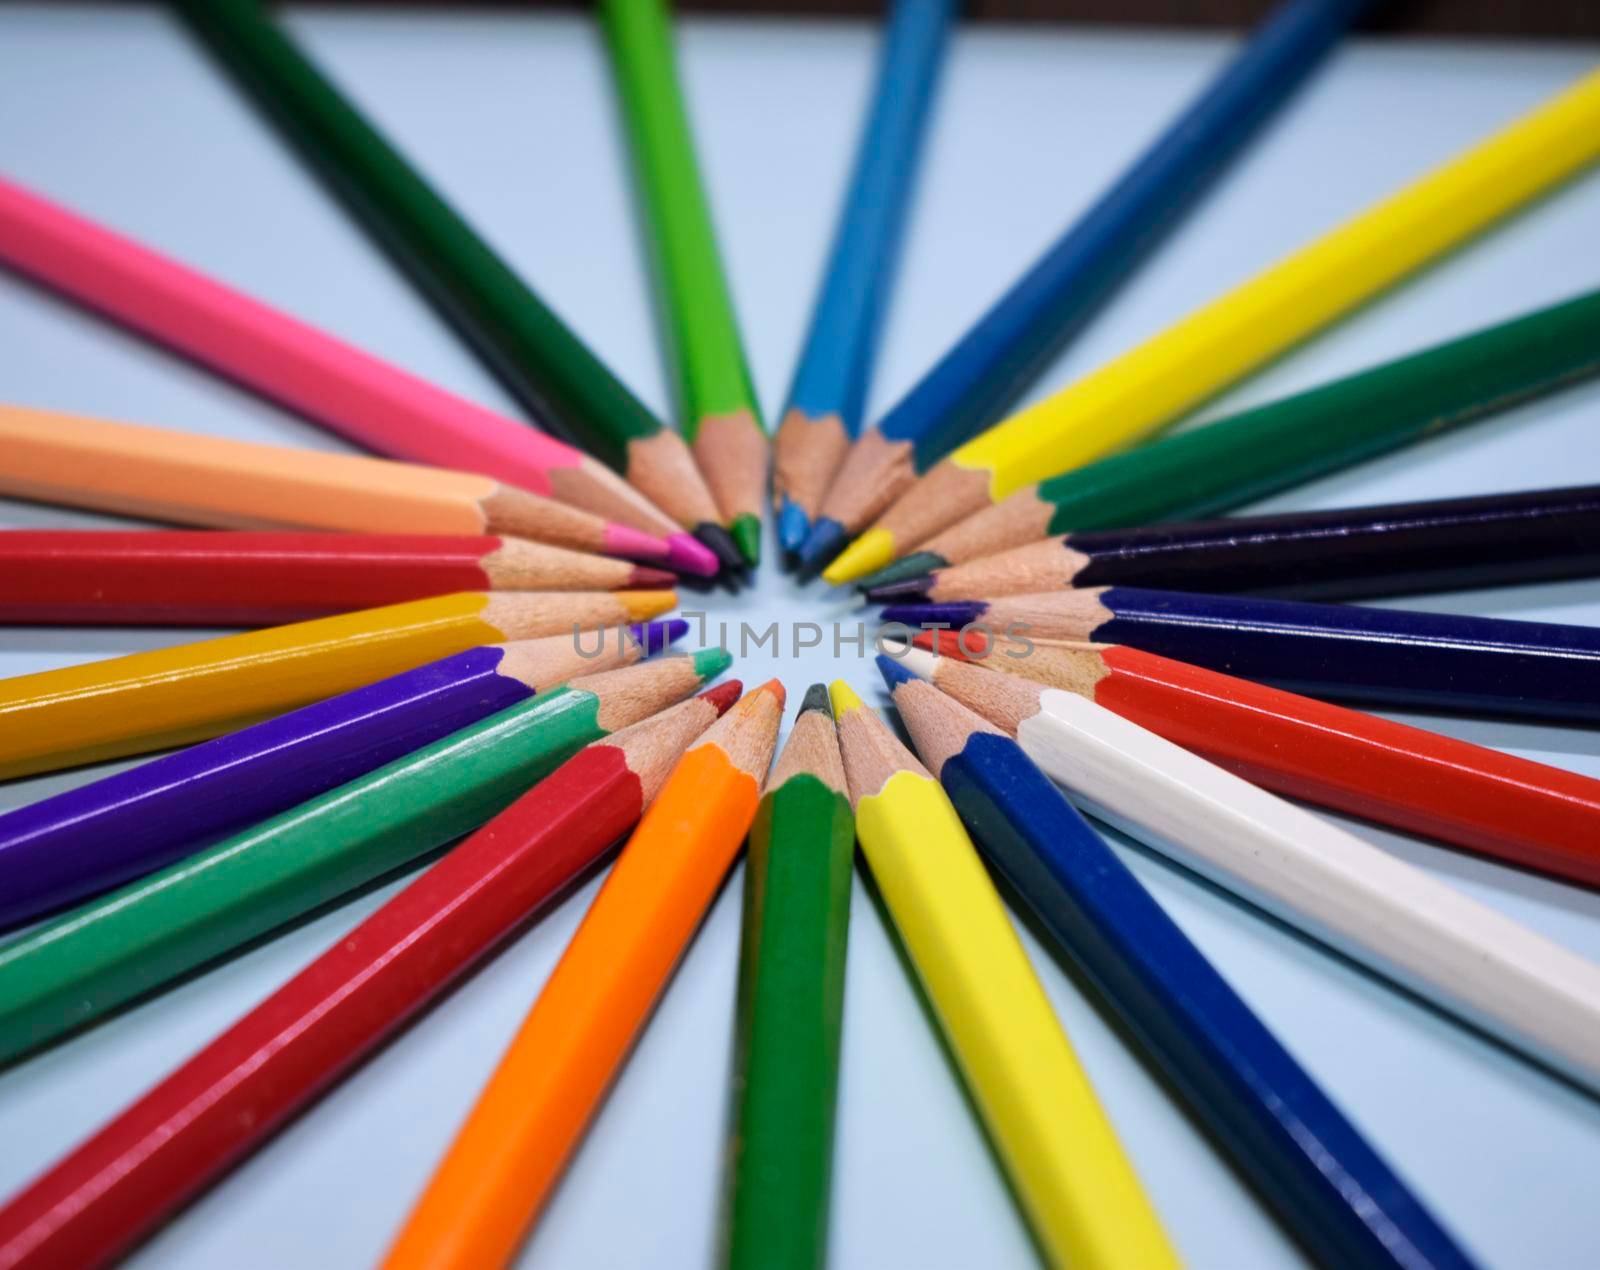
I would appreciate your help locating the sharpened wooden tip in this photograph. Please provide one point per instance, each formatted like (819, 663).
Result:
(813, 746)
(939, 725)
(652, 747)
(637, 692)
(871, 752)
(748, 733)
(554, 659)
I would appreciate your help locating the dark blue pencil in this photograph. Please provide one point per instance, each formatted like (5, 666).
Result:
(1000, 355)
(1350, 652)
(1327, 1184)
(830, 386)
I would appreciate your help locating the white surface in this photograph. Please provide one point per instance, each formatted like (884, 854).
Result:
(110, 109)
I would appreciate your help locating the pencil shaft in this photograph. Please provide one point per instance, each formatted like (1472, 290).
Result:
(709, 358)
(71, 971)
(1006, 349)
(836, 363)
(556, 377)
(234, 1094)
(796, 919)
(1337, 1195)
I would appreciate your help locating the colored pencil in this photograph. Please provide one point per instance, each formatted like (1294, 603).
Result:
(720, 414)
(172, 696)
(1336, 1194)
(830, 386)
(555, 376)
(1268, 315)
(1284, 443)
(497, 1175)
(1346, 553)
(1006, 349)
(1512, 809)
(234, 1095)
(193, 479)
(1079, 1191)
(206, 578)
(64, 848)
(1401, 923)
(69, 972)
(1393, 657)
(334, 384)
(791, 1002)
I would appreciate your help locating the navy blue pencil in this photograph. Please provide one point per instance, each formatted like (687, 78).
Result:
(830, 385)
(1330, 1188)
(1349, 652)
(969, 388)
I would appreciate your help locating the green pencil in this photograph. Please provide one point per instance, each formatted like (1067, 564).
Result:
(720, 415)
(554, 374)
(74, 969)
(791, 993)
(1284, 443)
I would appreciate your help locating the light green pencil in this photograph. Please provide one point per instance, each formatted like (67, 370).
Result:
(717, 403)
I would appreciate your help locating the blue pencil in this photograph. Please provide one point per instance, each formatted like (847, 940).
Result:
(830, 385)
(1328, 1185)
(968, 389)
(1350, 652)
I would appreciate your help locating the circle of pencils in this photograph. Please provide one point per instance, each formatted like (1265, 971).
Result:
(497, 1174)
(69, 972)
(83, 840)
(556, 377)
(1294, 1144)
(176, 578)
(235, 1093)
(442, 670)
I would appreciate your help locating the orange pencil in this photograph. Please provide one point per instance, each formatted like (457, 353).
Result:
(499, 1171)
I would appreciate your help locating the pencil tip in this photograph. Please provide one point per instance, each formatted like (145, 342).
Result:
(894, 672)
(723, 695)
(906, 589)
(843, 698)
(821, 545)
(774, 687)
(654, 636)
(951, 615)
(816, 698)
(746, 530)
(915, 565)
(641, 606)
(635, 544)
(793, 526)
(721, 544)
(685, 552)
(711, 662)
(871, 551)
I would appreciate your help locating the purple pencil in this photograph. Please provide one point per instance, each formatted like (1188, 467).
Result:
(86, 840)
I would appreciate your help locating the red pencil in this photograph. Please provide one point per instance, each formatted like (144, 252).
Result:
(221, 578)
(1513, 809)
(227, 1100)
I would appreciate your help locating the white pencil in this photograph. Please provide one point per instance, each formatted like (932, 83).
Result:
(1397, 920)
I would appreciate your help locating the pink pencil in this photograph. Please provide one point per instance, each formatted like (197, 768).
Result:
(338, 386)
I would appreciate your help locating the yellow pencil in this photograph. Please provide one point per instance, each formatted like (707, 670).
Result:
(1247, 327)
(173, 696)
(1077, 1186)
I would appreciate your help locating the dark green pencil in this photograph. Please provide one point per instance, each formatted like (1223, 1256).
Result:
(1284, 443)
(791, 993)
(553, 373)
